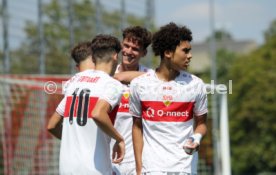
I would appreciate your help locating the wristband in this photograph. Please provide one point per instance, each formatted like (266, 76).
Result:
(197, 138)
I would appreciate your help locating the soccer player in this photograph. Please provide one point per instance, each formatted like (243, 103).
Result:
(169, 108)
(82, 55)
(135, 41)
(90, 100)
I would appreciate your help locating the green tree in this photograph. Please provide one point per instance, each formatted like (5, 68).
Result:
(56, 34)
(252, 110)
(271, 32)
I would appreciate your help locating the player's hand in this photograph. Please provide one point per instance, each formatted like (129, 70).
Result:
(138, 172)
(190, 146)
(118, 152)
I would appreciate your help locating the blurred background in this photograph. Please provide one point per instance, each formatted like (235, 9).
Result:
(234, 43)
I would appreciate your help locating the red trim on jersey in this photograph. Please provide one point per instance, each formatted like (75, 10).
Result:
(91, 105)
(67, 106)
(167, 111)
(112, 114)
(76, 106)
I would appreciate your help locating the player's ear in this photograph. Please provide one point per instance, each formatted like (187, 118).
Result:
(168, 54)
(115, 57)
(77, 67)
(93, 60)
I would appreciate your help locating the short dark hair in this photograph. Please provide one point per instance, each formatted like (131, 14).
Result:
(169, 37)
(139, 34)
(103, 46)
(81, 51)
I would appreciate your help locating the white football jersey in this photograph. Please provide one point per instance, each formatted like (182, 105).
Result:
(123, 121)
(167, 110)
(84, 146)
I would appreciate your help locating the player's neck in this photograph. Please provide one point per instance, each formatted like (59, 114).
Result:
(128, 68)
(165, 73)
(105, 67)
(86, 67)
(86, 64)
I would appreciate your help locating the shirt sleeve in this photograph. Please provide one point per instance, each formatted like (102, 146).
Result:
(134, 101)
(61, 107)
(65, 86)
(112, 93)
(201, 100)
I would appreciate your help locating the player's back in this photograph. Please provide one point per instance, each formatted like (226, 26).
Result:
(84, 146)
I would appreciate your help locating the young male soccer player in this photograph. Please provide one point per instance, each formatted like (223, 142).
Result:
(90, 99)
(135, 41)
(169, 108)
(82, 55)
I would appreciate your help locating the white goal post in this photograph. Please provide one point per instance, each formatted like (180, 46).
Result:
(224, 143)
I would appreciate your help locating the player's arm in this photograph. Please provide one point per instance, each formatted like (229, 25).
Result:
(55, 125)
(137, 127)
(201, 124)
(137, 138)
(127, 76)
(200, 128)
(193, 142)
(200, 121)
(101, 118)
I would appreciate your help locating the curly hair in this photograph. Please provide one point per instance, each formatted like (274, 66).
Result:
(103, 46)
(81, 51)
(169, 37)
(139, 34)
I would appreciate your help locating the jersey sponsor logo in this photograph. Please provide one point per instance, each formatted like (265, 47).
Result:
(150, 112)
(124, 104)
(160, 112)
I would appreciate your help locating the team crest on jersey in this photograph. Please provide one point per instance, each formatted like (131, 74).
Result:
(167, 100)
(126, 95)
(167, 103)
